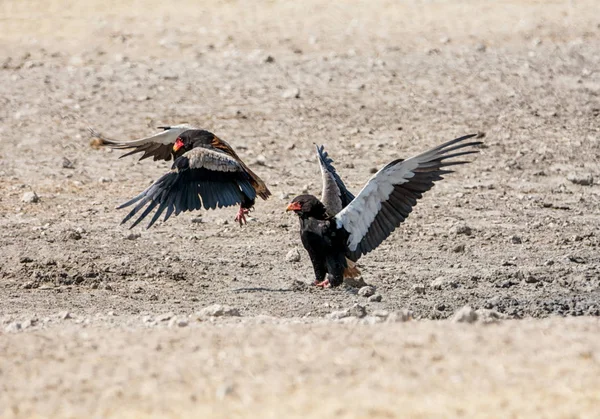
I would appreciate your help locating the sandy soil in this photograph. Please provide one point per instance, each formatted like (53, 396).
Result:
(97, 319)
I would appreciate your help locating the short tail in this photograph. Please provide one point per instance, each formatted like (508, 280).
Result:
(351, 270)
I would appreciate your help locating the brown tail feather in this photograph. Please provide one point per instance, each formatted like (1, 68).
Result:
(351, 270)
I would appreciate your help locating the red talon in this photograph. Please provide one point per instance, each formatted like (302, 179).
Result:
(322, 284)
(241, 216)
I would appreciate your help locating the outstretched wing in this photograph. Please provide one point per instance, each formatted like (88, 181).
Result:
(158, 146)
(388, 197)
(200, 178)
(335, 196)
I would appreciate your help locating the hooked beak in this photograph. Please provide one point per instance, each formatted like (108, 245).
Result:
(178, 144)
(294, 206)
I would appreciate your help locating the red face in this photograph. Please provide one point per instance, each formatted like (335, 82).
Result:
(294, 206)
(178, 144)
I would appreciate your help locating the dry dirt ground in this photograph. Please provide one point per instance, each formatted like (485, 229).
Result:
(98, 320)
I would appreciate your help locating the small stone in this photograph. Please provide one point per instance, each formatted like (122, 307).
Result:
(356, 310)
(367, 291)
(67, 164)
(492, 302)
(108, 287)
(218, 310)
(269, 59)
(13, 327)
(585, 179)
(376, 298)
(384, 314)
(25, 259)
(197, 220)
(293, 256)
(465, 315)
(515, 240)
(400, 316)
(133, 236)
(461, 229)
(459, 248)
(480, 48)
(261, 160)
(418, 288)
(489, 316)
(165, 317)
(30, 197)
(31, 322)
(64, 315)
(104, 180)
(438, 283)
(291, 93)
(72, 235)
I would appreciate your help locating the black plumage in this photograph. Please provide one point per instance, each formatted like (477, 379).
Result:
(335, 241)
(206, 173)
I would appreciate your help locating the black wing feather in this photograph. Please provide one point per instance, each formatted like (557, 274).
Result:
(404, 196)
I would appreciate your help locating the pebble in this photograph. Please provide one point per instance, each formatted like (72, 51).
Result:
(291, 93)
(178, 322)
(418, 288)
(165, 317)
(67, 164)
(366, 291)
(459, 248)
(261, 160)
(376, 298)
(586, 179)
(516, 240)
(356, 310)
(400, 316)
(438, 283)
(72, 235)
(64, 315)
(461, 229)
(465, 315)
(218, 310)
(293, 256)
(30, 197)
(13, 327)
(25, 259)
(133, 236)
(490, 316)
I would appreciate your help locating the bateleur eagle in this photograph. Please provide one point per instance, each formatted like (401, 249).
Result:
(206, 172)
(338, 229)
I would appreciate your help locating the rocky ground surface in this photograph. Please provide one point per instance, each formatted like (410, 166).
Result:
(198, 315)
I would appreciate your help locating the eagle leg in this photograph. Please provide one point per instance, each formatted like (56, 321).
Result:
(241, 216)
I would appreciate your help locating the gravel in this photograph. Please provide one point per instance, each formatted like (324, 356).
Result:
(30, 198)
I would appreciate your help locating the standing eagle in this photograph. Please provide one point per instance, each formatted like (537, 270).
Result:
(206, 172)
(338, 229)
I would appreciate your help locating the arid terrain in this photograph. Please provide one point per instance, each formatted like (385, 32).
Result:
(98, 320)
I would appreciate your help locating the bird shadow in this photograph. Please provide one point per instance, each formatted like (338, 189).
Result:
(262, 289)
